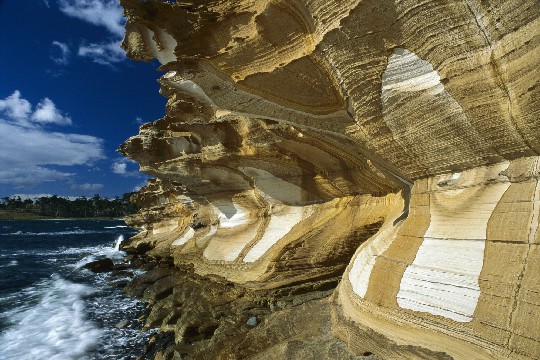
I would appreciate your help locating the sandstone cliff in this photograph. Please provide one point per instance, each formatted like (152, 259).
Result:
(390, 146)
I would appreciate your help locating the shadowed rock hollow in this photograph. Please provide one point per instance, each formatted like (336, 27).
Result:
(388, 146)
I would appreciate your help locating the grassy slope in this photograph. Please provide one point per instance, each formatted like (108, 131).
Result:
(18, 215)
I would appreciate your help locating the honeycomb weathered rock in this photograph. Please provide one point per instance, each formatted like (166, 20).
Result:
(392, 144)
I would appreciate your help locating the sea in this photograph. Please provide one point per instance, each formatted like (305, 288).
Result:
(51, 307)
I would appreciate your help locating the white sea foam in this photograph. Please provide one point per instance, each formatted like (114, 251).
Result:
(112, 252)
(55, 328)
(115, 227)
(55, 233)
(11, 263)
(118, 242)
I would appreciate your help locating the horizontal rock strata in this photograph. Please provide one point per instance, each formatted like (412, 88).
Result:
(388, 146)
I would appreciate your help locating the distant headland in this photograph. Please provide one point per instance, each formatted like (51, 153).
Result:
(59, 207)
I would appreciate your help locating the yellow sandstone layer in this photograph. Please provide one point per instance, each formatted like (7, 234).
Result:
(393, 145)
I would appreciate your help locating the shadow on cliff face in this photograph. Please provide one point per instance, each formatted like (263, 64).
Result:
(210, 318)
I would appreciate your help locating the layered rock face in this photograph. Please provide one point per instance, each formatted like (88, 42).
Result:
(392, 146)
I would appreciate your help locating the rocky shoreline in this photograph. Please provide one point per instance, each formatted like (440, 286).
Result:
(208, 317)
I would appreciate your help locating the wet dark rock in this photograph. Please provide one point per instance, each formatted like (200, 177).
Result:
(115, 274)
(122, 266)
(138, 285)
(194, 333)
(141, 249)
(120, 283)
(99, 266)
(166, 262)
(160, 289)
(157, 344)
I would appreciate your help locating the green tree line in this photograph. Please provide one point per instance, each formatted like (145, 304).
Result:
(81, 207)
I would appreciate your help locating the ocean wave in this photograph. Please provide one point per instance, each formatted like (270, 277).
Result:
(115, 227)
(54, 328)
(55, 233)
(11, 263)
(111, 252)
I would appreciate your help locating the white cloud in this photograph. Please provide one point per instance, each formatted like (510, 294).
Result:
(139, 120)
(61, 53)
(119, 168)
(86, 187)
(104, 54)
(27, 149)
(36, 146)
(47, 113)
(21, 176)
(106, 13)
(16, 107)
(19, 110)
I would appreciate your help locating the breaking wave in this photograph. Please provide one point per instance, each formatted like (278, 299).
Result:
(56, 233)
(54, 328)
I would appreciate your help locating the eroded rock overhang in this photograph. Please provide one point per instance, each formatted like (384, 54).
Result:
(392, 144)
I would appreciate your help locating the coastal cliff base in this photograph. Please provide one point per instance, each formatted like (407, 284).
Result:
(211, 318)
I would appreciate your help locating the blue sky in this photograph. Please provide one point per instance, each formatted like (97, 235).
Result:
(69, 98)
